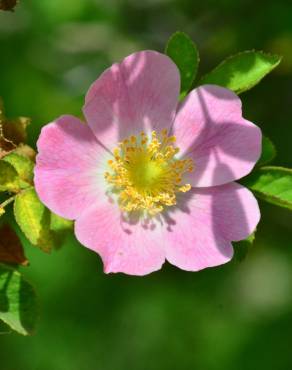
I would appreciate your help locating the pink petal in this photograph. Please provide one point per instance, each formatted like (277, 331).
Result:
(126, 247)
(210, 129)
(140, 93)
(201, 230)
(68, 173)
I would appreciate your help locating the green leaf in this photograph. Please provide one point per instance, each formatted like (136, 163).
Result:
(60, 228)
(242, 71)
(4, 328)
(42, 228)
(181, 49)
(16, 172)
(23, 166)
(8, 177)
(18, 305)
(272, 184)
(33, 219)
(59, 223)
(268, 152)
(242, 247)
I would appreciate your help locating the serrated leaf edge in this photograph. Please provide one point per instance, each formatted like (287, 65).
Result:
(248, 86)
(25, 333)
(272, 198)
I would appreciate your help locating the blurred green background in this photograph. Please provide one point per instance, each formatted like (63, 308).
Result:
(237, 316)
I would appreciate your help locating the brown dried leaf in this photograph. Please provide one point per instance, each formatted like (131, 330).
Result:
(12, 132)
(11, 250)
(8, 4)
(26, 151)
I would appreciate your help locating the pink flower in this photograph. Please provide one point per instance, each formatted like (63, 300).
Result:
(147, 179)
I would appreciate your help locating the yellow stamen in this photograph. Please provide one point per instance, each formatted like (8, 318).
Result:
(145, 173)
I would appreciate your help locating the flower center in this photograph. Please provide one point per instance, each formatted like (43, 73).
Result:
(145, 173)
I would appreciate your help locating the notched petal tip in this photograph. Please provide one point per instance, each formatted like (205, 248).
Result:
(210, 128)
(138, 94)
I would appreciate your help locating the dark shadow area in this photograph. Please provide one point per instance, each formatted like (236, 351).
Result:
(4, 301)
(271, 341)
(28, 307)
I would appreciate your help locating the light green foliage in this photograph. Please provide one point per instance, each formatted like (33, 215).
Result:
(41, 227)
(242, 71)
(16, 172)
(33, 219)
(272, 184)
(18, 306)
(8, 177)
(181, 49)
(268, 152)
(23, 166)
(59, 223)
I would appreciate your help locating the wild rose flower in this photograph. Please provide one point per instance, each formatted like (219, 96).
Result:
(147, 179)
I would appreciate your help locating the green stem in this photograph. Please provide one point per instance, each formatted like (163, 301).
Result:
(7, 201)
